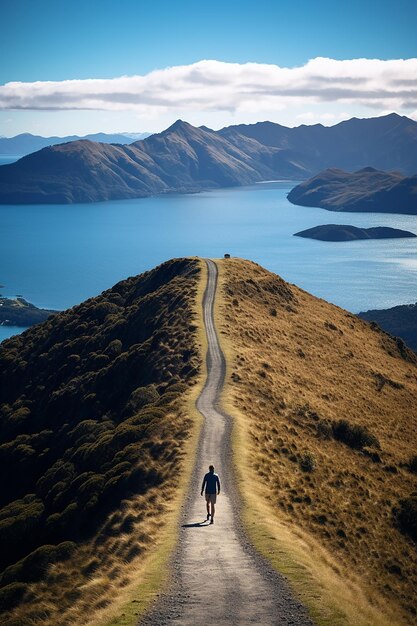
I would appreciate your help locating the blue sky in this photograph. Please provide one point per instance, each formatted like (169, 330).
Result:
(51, 40)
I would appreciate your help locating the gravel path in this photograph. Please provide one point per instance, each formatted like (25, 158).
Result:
(217, 577)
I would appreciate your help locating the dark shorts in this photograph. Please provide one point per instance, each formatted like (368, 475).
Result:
(211, 497)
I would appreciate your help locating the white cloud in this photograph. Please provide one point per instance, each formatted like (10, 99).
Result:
(311, 117)
(212, 86)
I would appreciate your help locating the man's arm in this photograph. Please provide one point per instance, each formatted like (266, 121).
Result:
(203, 485)
(218, 485)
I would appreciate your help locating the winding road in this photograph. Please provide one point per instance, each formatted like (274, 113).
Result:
(218, 578)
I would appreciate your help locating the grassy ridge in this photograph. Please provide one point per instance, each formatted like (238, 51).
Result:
(93, 432)
(325, 438)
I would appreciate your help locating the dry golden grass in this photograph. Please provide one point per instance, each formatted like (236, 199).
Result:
(296, 365)
(111, 579)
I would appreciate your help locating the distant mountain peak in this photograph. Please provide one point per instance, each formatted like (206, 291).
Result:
(393, 116)
(366, 169)
(179, 125)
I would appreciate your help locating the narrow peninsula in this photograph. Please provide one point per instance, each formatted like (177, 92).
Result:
(19, 312)
(367, 190)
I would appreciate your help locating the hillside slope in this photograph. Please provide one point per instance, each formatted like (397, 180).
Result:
(80, 171)
(328, 411)
(367, 190)
(92, 434)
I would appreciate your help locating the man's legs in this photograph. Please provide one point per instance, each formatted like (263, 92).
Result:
(208, 508)
(212, 511)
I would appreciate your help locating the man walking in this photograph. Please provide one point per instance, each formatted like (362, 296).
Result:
(212, 484)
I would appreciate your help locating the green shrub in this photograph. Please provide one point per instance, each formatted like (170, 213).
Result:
(20, 523)
(114, 348)
(102, 309)
(94, 484)
(32, 567)
(59, 472)
(406, 516)
(355, 436)
(178, 388)
(98, 361)
(324, 429)
(141, 397)
(118, 470)
(11, 595)
(308, 462)
(412, 465)
(167, 398)
(126, 434)
(60, 524)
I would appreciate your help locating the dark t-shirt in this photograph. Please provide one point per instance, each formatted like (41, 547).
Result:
(212, 481)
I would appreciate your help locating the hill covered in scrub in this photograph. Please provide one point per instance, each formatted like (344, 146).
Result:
(184, 159)
(328, 405)
(92, 433)
(367, 190)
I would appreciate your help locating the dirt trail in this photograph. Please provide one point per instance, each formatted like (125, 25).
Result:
(217, 577)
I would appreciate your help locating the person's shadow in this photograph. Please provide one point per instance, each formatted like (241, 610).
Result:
(202, 524)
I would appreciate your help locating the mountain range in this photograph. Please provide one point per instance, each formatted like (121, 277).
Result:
(186, 159)
(26, 143)
(367, 190)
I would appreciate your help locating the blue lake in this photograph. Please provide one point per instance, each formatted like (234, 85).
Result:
(57, 256)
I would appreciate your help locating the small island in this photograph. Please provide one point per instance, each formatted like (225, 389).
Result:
(345, 232)
(18, 312)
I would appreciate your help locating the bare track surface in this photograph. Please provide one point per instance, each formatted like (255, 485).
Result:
(217, 577)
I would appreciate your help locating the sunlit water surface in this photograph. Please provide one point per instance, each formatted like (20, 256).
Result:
(57, 256)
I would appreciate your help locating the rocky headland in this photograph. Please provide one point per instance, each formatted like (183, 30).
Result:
(367, 190)
(19, 312)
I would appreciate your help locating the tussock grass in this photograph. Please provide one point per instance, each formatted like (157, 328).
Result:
(115, 570)
(297, 366)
